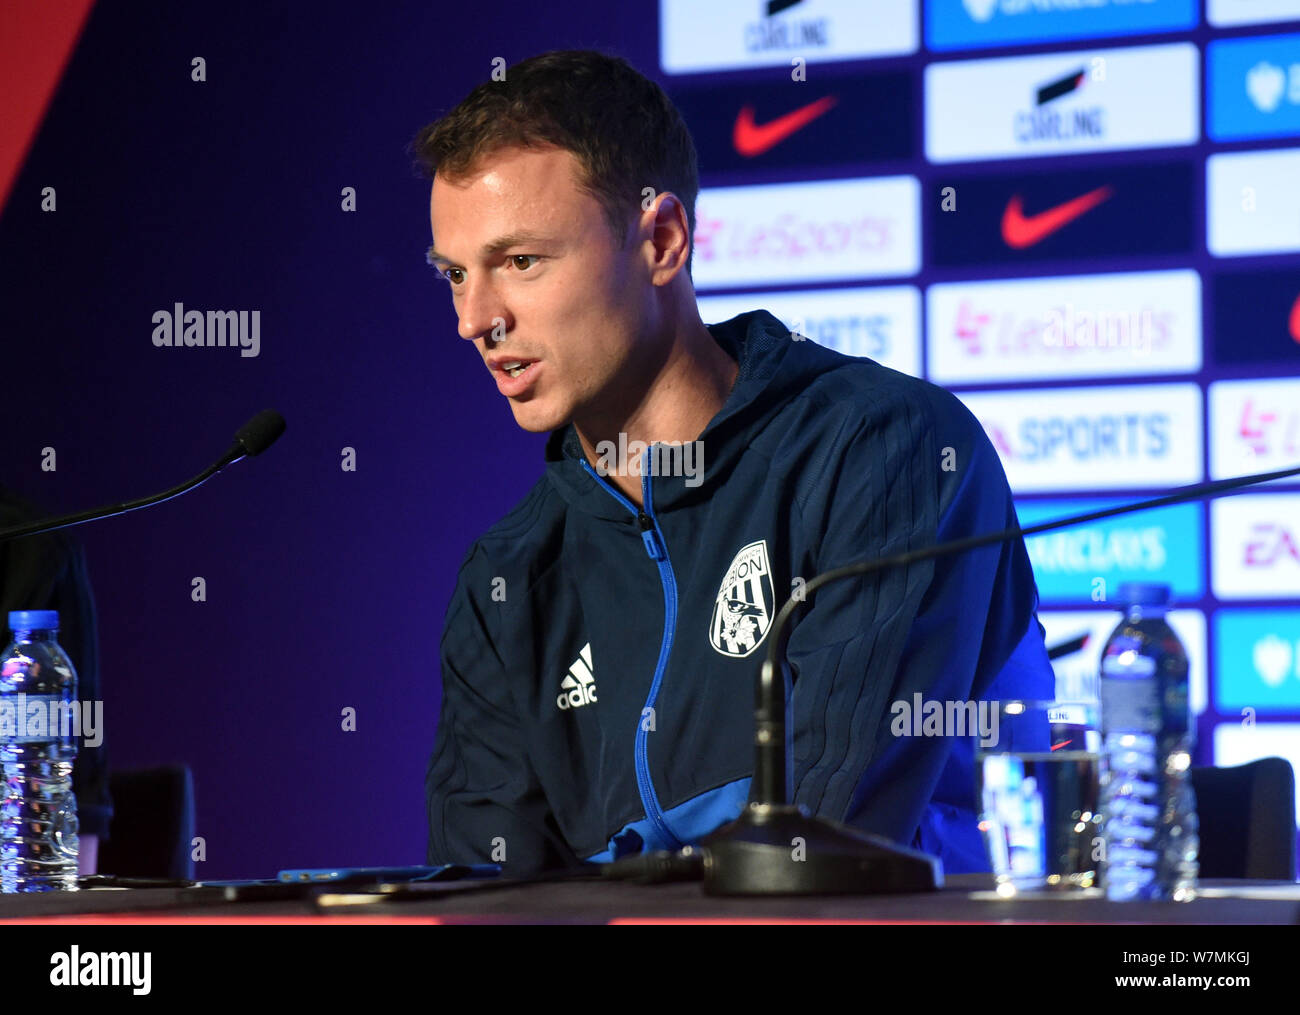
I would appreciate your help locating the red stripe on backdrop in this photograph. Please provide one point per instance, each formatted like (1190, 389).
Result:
(36, 39)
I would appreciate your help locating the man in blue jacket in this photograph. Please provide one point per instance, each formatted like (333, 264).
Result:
(600, 650)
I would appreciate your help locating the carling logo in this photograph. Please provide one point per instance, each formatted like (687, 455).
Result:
(1098, 100)
(724, 34)
(1103, 438)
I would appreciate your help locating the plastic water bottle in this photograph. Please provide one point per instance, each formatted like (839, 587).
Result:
(1148, 806)
(38, 745)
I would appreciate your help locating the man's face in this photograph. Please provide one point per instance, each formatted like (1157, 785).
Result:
(536, 276)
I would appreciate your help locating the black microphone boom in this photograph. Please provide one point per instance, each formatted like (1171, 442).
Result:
(254, 437)
(753, 856)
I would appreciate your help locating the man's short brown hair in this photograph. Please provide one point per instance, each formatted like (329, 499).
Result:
(624, 131)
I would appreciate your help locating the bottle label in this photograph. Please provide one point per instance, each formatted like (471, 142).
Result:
(38, 718)
(1130, 705)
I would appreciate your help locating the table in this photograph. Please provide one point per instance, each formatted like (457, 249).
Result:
(965, 899)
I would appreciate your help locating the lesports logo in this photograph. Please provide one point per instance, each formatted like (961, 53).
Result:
(820, 230)
(579, 687)
(1020, 230)
(1069, 327)
(751, 139)
(743, 610)
(1255, 426)
(980, 10)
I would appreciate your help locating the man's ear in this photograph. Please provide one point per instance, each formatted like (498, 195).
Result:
(671, 236)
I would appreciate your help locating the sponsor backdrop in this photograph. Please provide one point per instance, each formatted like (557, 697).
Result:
(1093, 239)
(1081, 216)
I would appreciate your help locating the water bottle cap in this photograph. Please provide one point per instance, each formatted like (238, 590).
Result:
(1145, 593)
(33, 620)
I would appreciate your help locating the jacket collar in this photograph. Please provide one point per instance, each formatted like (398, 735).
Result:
(773, 369)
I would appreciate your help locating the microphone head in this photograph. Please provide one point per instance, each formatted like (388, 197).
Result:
(260, 432)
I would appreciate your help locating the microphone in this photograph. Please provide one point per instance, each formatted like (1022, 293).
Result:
(752, 856)
(254, 437)
(259, 433)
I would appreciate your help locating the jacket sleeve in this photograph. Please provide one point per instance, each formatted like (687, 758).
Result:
(485, 802)
(917, 471)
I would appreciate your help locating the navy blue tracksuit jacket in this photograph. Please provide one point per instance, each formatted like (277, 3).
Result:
(599, 662)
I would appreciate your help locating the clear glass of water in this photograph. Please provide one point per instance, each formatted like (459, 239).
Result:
(1037, 780)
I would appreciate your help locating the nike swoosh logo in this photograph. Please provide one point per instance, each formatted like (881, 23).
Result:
(1295, 319)
(751, 139)
(1020, 230)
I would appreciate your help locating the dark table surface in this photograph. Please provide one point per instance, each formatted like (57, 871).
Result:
(964, 899)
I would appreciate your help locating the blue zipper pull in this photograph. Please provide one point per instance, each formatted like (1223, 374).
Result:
(650, 537)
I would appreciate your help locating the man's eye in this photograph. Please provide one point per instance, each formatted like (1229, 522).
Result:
(451, 276)
(524, 257)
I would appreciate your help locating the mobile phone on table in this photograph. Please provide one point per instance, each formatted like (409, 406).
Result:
(354, 875)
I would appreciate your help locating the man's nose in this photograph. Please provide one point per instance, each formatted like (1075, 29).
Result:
(481, 313)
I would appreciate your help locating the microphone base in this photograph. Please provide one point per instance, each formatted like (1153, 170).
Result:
(771, 850)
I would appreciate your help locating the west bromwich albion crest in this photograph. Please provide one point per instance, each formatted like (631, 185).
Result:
(743, 611)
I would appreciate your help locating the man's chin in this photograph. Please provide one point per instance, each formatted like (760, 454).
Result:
(536, 420)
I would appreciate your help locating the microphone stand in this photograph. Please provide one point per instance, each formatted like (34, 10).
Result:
(253, 438)
(756, 853)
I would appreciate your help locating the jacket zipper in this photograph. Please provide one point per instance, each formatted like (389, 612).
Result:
(656, 549)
